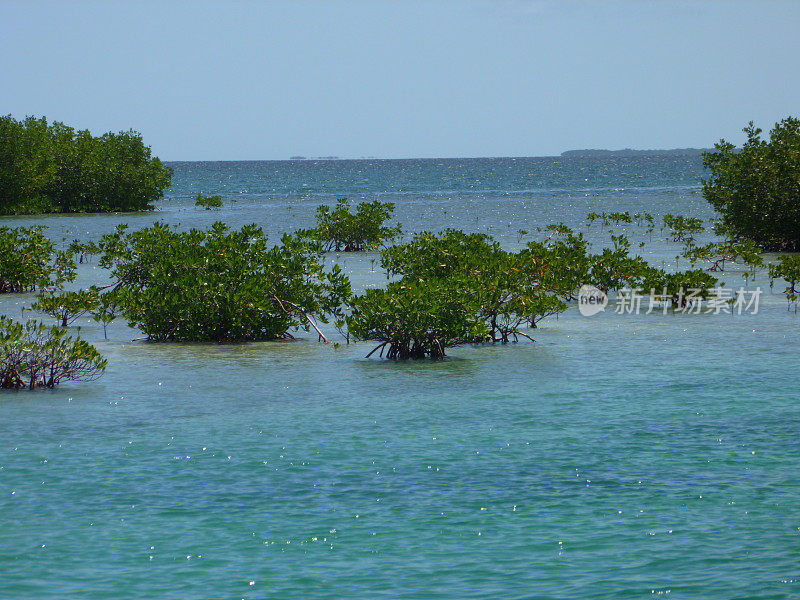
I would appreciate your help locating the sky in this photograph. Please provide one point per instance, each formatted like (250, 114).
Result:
(402, 79)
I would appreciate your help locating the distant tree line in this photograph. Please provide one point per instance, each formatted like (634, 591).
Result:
(47, 168)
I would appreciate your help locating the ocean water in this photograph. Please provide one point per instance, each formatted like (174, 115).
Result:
(617, 456)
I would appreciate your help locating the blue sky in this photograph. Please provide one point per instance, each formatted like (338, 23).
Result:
(267, 80)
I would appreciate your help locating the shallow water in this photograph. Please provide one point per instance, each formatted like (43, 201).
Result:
(618, 456)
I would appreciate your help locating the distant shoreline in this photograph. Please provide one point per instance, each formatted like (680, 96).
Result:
(587, 153)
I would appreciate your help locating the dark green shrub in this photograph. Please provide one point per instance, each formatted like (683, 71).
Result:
(678, 286)
(683, 228)
(220, 285)
(28, 260)
(341, 230)
(415, 319)
(208, 202)
(454, 288)
(718, 253)
(53, 168)
(756, 189)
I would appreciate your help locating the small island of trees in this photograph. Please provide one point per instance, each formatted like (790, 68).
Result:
(52, 168)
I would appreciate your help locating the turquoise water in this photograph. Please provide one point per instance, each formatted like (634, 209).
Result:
(618, 456)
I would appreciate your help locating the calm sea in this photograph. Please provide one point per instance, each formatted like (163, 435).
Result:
(618, 456)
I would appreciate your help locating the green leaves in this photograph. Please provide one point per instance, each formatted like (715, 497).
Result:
(757, 188)
(614, 268)
(458, 287)
(565, 264)
(677, 285)
(683, 229)
(28, 260)
(718, 253)
(53, 168)
(614, 218)
(208, 202)
(454, 288)
(788, 268)
(340, 230)
(68, 306)
(34, 355)
(221, 285)
(415, 318)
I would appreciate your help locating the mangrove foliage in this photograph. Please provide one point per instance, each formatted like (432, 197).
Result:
(788, 269)
(208, 202)
(756, 188)
(220, 285)
(452, 288)
(33, 355)
(341, 230)
(29, 260)
(66, 307)
(51, 167)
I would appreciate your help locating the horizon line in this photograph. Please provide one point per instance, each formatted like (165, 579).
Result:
(299, 158)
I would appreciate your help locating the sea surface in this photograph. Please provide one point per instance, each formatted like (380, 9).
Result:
(617, 456)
